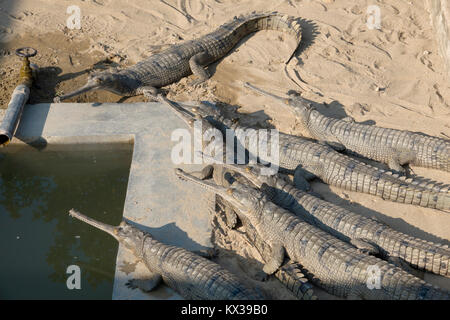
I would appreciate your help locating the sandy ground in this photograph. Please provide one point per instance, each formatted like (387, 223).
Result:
(393, 76)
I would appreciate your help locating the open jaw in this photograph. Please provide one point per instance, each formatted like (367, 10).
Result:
(97, 224)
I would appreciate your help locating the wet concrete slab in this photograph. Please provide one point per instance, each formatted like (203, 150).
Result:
(173, 211)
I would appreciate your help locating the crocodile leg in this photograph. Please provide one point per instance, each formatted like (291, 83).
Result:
(151, 93)
(231, 217)
(197, 64)
(146, 284)
(205, 173)
(365, 246)
(399, 159)
(276, 260)
(301, 178)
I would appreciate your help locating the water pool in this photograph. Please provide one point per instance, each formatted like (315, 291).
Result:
(38, 239)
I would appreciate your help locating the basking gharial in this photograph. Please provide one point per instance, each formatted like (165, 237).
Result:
(308, 159)
(367, 234)
(191, 275)
(335, 265)
(181, 60)
(393, 147)
(290, 273)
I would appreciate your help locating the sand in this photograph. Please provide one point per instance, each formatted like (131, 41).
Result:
(393, 76)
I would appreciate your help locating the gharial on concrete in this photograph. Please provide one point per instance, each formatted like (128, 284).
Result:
(191, 275)
(337, 266)
(181, 60)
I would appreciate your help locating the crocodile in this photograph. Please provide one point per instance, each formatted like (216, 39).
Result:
(189, 274)
(367, 234)
(308, 159)
(396, 148)
(290, 273)
(181, 60)
(335, 265)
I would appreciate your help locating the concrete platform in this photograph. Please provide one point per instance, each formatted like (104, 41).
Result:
(173, 211)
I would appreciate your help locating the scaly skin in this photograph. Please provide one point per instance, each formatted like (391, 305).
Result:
(347, 225)
(308, 159)
(289, 274)
(183, 59)
(393, 147)
(192, 276)
(336, 266)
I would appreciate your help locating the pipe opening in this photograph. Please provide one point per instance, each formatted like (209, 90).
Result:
(4, 139)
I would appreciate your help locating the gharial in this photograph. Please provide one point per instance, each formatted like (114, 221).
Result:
(394, 147)
(335, 265)
(308, 159)
(192, 276)
(365, 233)
(290, 273)
(181, 60)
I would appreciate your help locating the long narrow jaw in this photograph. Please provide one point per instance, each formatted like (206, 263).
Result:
(247, 171)
(97, 224)
(83, 89)
(225, 193)
(265, 93)
(185, 115)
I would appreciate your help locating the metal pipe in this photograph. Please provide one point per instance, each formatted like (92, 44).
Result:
(18, 99)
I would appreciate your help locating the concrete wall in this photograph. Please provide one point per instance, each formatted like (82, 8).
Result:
(440, 18)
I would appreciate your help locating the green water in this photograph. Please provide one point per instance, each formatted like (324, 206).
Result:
(38, 239)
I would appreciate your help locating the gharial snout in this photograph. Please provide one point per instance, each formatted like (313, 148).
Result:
(88, 87)
(97, 224)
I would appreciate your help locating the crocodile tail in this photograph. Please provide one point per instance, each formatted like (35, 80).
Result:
(411, 193)
(271, 21)
(420, 254)
(432, 152)
(415, 191)
(424, 183)
(440, 154)
(293, 278)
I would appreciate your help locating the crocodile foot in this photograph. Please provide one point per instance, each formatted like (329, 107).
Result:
(150, 93)
(146, 285)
